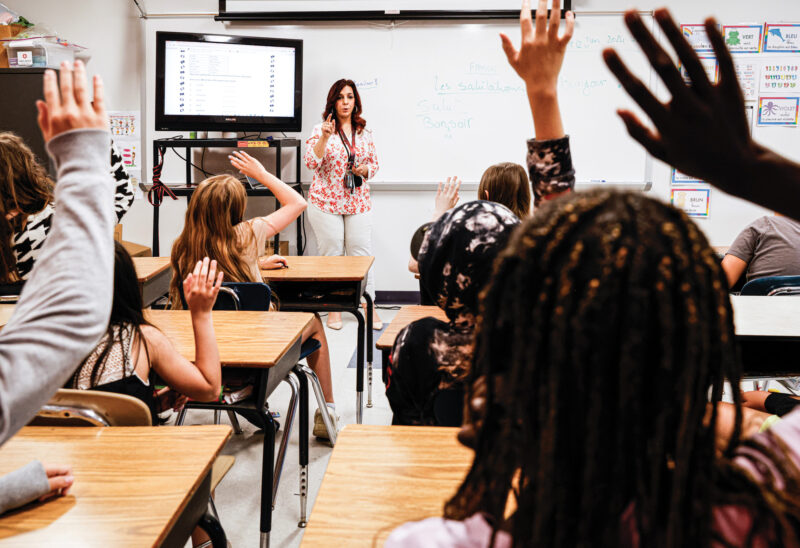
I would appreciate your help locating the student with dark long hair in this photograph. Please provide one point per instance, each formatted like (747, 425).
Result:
(133, 351)
(607, 324)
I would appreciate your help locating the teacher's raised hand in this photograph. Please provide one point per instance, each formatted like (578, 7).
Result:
(328, 127)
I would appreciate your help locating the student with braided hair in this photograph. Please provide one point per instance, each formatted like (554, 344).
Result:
(606, 323)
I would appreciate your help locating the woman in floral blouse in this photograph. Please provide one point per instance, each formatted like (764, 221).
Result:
(342, 156)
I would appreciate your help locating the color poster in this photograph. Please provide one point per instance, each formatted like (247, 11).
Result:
(711, 67)
(749, 112)
(781, 38)
(697, 37)
(743, 38)
(680, 178)
(694, 201)
(781, 78)
(778, 111)
(746, 74)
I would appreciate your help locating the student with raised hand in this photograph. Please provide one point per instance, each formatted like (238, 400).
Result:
(215, 227)
(703, 130)
(64, 307)
(133, 351)
(605, 343)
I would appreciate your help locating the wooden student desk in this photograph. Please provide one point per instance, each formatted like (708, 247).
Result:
(266, 341)
(6, 310)
(154, 274)
(330, 284)
(142, 486)
(380, 477)
(405, 316)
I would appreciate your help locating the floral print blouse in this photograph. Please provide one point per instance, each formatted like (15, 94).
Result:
(327, 192)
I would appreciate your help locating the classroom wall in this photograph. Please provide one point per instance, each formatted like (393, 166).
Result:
(123, 52)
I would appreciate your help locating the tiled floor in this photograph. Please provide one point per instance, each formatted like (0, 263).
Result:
(237, 497)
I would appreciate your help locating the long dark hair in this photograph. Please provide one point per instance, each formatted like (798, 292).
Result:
(605, 325)
(126, 309)
(25, 187)
(330, 105)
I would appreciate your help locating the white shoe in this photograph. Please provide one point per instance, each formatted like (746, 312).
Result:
(319, 425)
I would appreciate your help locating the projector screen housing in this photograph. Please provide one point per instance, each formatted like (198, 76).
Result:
(210, 82)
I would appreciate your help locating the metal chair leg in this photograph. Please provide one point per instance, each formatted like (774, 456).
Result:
(303, 448)
(216, 416)
(181, 417)
(370, 313)
(320, 401)
(235, 423)
(293, 383)
(213, 529)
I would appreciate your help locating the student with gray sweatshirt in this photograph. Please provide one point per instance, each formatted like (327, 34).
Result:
(65, 305)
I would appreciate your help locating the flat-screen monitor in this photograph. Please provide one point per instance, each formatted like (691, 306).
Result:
(211, 82)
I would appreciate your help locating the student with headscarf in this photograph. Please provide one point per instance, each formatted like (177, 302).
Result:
(430, 358)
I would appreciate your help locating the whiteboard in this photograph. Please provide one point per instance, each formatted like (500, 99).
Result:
(442, 100)
(234, 6)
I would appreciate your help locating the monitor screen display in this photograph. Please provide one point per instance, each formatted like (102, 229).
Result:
(235, 83)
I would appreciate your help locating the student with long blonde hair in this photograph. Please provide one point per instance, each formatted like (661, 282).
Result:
(215, 228)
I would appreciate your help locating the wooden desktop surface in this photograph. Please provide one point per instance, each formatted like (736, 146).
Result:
(245, 339)
(405, 316)
(6, 310)
(317, 269)
(131, 484)
(777, 316)
(148, 268)
(379, 477)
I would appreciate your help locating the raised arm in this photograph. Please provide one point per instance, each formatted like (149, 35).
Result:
(200, 381)
(292, 204)
(538, 62)
(65, 305)
(703, 130)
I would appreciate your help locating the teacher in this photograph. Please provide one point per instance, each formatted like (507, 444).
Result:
(342, 156)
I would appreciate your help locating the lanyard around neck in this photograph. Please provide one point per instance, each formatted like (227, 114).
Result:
(351, 149)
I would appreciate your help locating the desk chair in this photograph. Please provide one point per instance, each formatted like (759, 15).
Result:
(69, 407)
(773, 286)
(9, 293)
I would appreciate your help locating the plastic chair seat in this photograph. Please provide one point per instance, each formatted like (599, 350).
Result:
(773, 285)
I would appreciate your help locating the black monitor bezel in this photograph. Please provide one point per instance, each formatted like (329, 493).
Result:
(165, 122)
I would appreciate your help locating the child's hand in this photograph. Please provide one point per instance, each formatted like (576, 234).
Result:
(273, 262)
(247, 165)
(60, 479)
(167, 398)
(67, 105)
(446, 196)
(199, 287)
(541, 53)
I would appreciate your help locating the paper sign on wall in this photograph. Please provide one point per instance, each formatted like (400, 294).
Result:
(697, 37)
(746, 74)
(780, 78)
(680, 178)
(778, 111)
(694, 201)
(748, 111)
(711, 67)
(124, 123)
(743, 38)
(781, 38)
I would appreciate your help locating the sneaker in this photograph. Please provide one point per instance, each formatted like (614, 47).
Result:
(319, 425)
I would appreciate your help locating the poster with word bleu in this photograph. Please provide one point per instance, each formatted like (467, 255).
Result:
(780, 78)
(697, 37)
(695, 202)
(778, 111)
(781, 38)
(743, 38)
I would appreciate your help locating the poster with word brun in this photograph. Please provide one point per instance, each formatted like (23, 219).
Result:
(695, 202)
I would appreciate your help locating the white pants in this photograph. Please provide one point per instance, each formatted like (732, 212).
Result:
(339, 235)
